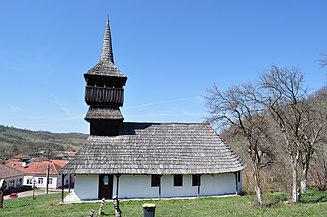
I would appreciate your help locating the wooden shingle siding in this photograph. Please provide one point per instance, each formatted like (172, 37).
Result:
(94, 95)
(154, 148)
(103, 113)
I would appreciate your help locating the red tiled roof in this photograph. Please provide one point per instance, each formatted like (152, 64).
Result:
(60, 163)
(39, 167)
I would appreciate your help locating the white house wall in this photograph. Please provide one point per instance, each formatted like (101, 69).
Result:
(25, 180)
(35, 177)
(218, 184)
(139, 186)
(132, 186)
(16, 181)
(86, 186)
(169, 190)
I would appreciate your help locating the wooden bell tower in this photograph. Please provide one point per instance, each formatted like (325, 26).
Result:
(104, 93)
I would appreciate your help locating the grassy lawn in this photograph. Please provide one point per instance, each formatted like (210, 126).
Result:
(314, 203)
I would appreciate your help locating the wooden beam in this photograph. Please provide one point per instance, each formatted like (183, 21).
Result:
(236, 183)
(160, 186)
(62, 186)
(47, 180)
(117, 184)
(70, 182)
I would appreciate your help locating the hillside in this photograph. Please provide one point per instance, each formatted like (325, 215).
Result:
(14, 141)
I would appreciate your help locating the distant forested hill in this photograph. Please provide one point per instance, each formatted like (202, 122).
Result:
(14, 141)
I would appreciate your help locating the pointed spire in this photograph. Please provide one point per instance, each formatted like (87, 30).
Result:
(107, 54)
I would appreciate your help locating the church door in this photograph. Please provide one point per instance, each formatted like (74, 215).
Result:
(105, 186)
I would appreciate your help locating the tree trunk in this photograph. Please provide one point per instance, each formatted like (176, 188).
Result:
(259, 195)
(304, 177)
(257, 186)
(303, 185)
(295, 196)
(305, 168)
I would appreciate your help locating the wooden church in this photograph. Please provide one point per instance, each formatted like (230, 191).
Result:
(145, 160)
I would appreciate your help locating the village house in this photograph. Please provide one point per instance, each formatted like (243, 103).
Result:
(36, 171)
(146, 160)
(13, 178)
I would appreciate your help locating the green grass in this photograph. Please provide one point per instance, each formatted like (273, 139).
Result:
(313, 204)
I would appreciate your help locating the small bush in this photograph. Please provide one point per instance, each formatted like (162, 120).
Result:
(314, 196)
(279, 197)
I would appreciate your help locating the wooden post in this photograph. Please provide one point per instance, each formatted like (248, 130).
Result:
(69, 183)
(116, 207)
(236, 183)
(199, 185)
(116, 201)
(62, 187)
(117, 184)
(47, 180)
(160, 186)
(100, 213)
(33, 187)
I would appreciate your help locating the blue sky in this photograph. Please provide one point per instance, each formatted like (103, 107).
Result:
(171, 51)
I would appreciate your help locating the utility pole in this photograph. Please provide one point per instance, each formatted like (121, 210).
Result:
(69, 182)
(47, 180)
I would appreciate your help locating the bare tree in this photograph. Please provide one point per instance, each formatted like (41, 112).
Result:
(311, 133)
(284, 93)
(319, 166)
(239, 107)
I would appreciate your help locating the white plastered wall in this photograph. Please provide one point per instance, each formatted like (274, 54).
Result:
(43, 184)
(218, 184)
(169, 190)
(139, 186)
(135, 186)
(86, 186)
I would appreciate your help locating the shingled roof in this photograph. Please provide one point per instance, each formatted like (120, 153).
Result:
(156, 148)
(8, 172)
(105, 69)
(103, 113)
(106, 65)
